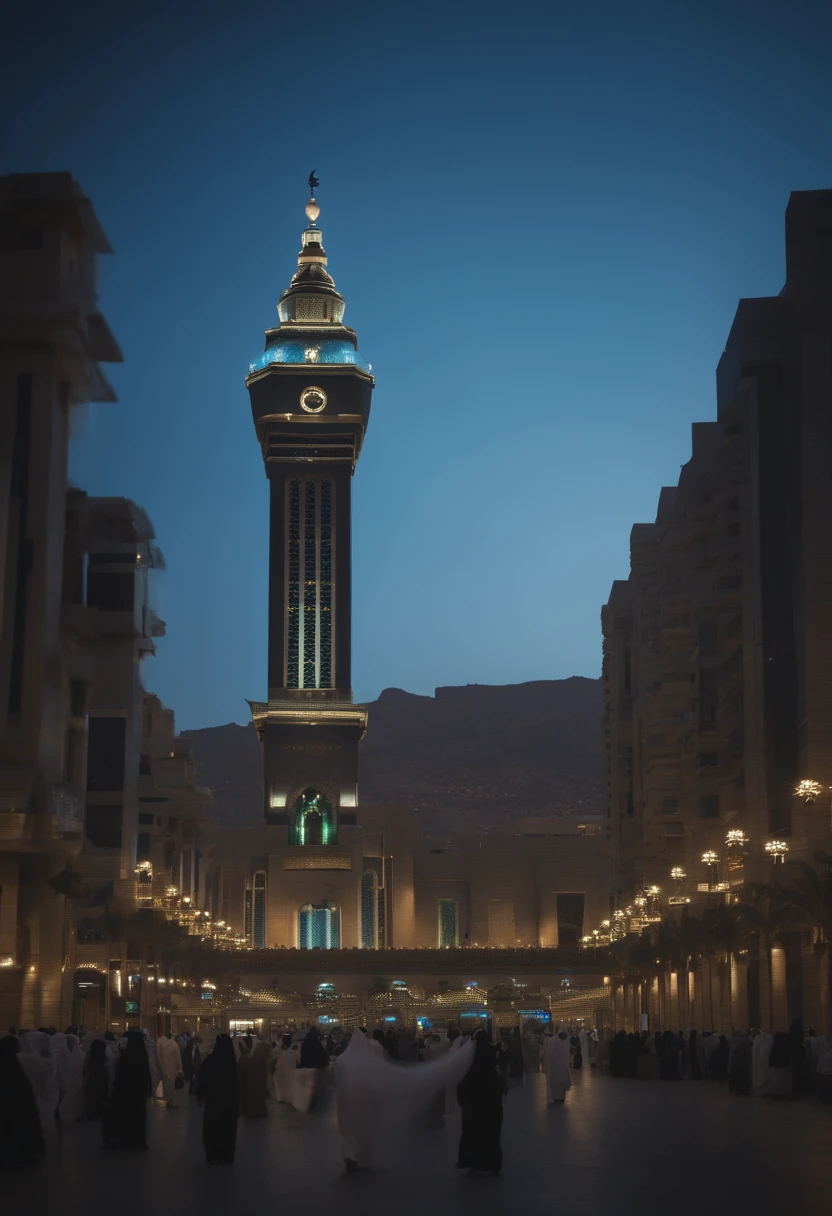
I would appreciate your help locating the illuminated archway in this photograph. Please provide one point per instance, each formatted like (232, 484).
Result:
(313, 820)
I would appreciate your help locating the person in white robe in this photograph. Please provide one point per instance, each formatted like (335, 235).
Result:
(761, 1046)
(369, 1091)
(69, 1067)
(36, 1061)
(170, 1066)
(556, 1066)
(285, 1060)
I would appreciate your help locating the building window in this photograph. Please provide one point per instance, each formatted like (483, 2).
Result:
(709, 806)
(708, 759)
(313, 820)
(142, 845)
(110, 590)
(448, 924)
(144, 766)
(309, 583)
(105, 754)
(78, 698)
(103, 826)
(369, 910)
(319, 927)
(570, 919)
(259, 920)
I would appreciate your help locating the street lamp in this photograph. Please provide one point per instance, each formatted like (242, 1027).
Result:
(678, 875)
(777, 850)
(711, 860)
(736, 840)
(808, 790)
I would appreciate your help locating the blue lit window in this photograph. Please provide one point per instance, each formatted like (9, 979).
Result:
(448, 924)
(319, 927)
(259, 917)
(313, 820)
(309, 523)
(326, 350)
(369, 910)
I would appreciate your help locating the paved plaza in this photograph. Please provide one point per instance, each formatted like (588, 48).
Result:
(618, 1146)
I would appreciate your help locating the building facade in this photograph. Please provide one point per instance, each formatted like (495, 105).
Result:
(54, 340)
(717, 648)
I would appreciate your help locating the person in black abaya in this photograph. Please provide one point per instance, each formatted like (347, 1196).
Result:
(739, 1065)
(312, 1051)
(21, 1138)
(125, 1120)
(96, 1081)
(191, 1063)
(480, 1094)
(515, 1053)
(718, 1061)
(693, 1057)
(218, 1094)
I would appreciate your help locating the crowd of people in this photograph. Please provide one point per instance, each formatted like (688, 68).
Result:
(48, 1078)
(753, 1063)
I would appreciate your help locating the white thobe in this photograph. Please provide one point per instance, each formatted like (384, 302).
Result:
(170, 1065)
(556, 1067)
(760, 1051)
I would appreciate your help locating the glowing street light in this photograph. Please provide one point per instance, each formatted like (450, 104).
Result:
(777, 850)
(808, 791)
(711, 860)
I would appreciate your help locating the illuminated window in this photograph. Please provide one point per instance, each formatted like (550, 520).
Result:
(313, 820)
(369, 910)
(259, 916)
(319, 926)
(448, 924)
(309, 584)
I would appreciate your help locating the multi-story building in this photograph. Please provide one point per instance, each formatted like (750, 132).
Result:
(53, 340)
(718, 648)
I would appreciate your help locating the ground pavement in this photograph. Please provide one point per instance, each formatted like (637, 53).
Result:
(617, 1147)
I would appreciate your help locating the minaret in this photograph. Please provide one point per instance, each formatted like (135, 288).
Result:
(310, 398)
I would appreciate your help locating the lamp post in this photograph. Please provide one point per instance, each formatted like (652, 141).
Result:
(711, 860)
(777, 850)
(678, 875)
(736, 840)
(810, 790)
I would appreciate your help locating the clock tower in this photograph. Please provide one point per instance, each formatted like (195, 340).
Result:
(310, 396)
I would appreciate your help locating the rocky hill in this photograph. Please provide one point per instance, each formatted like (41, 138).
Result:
(467, 755)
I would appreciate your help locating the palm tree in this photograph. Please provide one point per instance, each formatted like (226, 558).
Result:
(810, 895)
(723, 934)
(769, 912)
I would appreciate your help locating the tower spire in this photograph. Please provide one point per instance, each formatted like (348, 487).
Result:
(312, 208)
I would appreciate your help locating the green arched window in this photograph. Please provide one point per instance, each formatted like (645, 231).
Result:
(313, 820)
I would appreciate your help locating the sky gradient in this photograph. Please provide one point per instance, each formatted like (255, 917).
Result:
(541, 216)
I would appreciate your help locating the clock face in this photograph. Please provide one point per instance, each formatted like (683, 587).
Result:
(313, 400)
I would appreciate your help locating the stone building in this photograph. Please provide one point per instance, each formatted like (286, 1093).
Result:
(76, 622)
(54, 340)
(717, 648)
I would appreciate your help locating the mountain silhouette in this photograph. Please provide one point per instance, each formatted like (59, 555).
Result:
(468, 756)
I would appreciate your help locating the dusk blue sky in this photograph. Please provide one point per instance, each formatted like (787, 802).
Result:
(542, 217)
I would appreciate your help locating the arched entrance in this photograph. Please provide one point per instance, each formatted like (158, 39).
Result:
(313, 820)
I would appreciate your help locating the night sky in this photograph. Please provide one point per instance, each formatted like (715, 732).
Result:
(542, 217)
